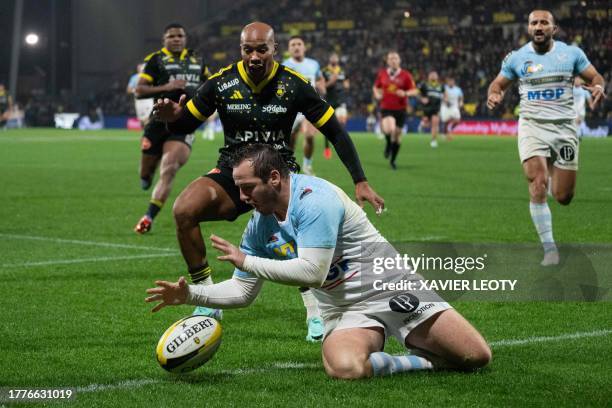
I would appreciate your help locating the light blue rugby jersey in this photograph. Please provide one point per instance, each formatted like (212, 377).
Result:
(319, 215)
(546, 80)
(308, 68)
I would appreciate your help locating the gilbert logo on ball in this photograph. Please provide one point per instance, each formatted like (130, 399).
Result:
(188, 344)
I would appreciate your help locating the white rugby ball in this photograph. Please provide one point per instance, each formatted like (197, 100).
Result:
(188, 344)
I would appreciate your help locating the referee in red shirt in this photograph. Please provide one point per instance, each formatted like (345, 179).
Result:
(392, 88)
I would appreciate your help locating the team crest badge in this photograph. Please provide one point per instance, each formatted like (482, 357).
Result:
(530, 68)
(280, 90)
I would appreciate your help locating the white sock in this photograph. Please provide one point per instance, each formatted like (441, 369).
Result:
(385, 364)
(542, 219)
(307, 162)
(311, 304)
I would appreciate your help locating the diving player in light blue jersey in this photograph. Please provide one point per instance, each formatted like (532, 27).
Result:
(311, 70)
(548, 143)
(306, 231)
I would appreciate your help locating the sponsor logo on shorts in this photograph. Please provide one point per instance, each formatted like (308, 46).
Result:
(404, 303)
(274, 109)
(567, 153)
(419, 312)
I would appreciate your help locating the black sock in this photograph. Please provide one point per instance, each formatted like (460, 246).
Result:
(388, 140)
(154, 207)
(145, 182)
(394, 150)
(200, 273)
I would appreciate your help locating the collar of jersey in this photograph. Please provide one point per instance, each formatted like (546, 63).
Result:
(171, 55)
(335, 70)
(532, 48)
(245, 77)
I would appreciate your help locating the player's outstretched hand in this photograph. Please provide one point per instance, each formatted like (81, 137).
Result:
(597, 93)
(363, 192)
(494, 100)
(232, 253)
(168, 110)
(168, 293)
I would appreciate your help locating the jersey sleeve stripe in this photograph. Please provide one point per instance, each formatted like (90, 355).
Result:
(297, 74)
(146, 76)
(194, 111)
(323, 120)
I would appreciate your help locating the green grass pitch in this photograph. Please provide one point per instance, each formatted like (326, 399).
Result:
(73, 276)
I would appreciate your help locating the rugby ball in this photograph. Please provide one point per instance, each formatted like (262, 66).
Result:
(188, 344)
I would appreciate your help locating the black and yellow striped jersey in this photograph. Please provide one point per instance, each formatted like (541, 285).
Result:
(4, 101)
(162, 66)
(258, 113)
(336, 93)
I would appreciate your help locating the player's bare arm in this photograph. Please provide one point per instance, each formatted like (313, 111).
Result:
(496, 91)
(144, 88)
(596, 85)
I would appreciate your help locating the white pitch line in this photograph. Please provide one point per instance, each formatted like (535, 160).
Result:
(80, 242)
(83, 260)
(132, 384)
(543, 339)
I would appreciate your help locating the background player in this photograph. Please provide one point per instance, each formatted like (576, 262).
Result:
(143, 106)
(168, 73)
(581, 98)
(311, 70)
(432, 93)
(325, 232)
(548, 143)
(6, 105)
(450, 111)
(392, 88)
(337, 85)
(279, 93)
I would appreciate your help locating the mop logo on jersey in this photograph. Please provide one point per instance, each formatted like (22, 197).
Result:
(530, 68)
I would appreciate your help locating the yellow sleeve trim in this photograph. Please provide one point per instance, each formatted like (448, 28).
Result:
(148, 57)
(221, 71)
(194, 111)
(146, 76)
(297, 74)
(328, 114)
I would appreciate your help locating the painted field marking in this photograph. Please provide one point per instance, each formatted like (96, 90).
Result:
(132, 384)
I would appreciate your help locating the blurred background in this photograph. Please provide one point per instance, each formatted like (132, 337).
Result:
(70, 56)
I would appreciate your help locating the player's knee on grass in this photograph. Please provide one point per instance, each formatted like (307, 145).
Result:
(347, 365)
(475, 358)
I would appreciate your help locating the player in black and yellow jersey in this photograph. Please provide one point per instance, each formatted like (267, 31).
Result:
(432, 93)
(168, 73)
(336, 85)
(6, 105)
(257, 100)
